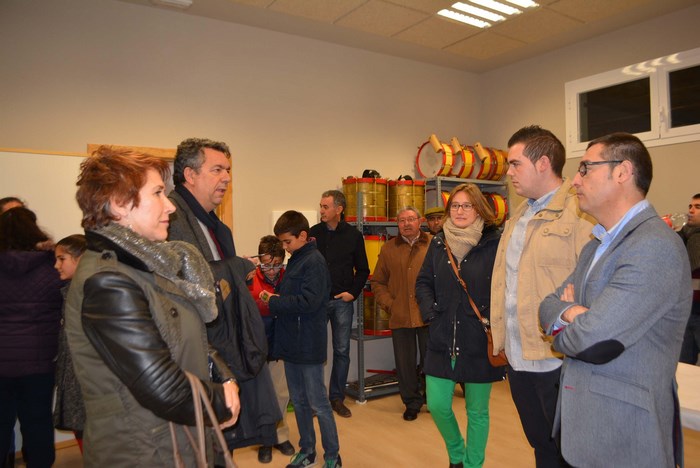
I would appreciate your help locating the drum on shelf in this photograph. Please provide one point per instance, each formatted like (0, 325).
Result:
(464, 162)
(374, 191)
(501, 164)
(373, 245)
(419, 195)
(500, 206)
(400, 195)
(494, 162)
(432, 163)
(445, 196)
(488, 163)
(403, 193)
(350, 192)
(375, 318)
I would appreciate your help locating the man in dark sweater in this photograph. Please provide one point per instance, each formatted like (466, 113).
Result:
(690, 233)
(343, 247)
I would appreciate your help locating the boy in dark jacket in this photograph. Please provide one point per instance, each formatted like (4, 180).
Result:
(301, 338)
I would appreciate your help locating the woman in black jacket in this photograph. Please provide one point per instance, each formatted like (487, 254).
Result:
(457, 343)
(135, 315)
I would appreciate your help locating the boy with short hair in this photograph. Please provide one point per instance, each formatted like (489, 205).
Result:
(267, 277)
(301, 338)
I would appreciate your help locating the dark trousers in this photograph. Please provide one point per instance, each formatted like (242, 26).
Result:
(691, 339)
(407, 343)
(340, 315)
(535, 396)
(28, 399)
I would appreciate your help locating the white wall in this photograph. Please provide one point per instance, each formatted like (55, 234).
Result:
(47, 184)
(532, 92)
(298, 114)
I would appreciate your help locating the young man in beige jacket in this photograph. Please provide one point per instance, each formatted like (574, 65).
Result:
(538, 250)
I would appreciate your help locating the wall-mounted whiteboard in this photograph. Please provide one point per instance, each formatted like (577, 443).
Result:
(46, 183)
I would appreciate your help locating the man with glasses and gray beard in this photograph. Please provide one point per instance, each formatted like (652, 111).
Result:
(394, 288)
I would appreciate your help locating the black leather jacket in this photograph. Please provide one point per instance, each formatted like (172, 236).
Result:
(119, 317)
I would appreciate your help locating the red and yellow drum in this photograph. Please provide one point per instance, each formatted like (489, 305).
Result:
(374, 191)
(500, 206)
(434, 159)
(464, 162)
(419, 195)
(400, 195)
(494, 162)
(373, 245)
(375, 318)
(501, 164)
(445, 197)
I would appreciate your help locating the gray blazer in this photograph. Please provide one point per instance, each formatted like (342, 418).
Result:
(617, 392)
(184, 226)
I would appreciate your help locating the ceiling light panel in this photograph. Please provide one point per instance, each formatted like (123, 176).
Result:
(472, 10)
(524, 3)
(497, 6)
(464, 18)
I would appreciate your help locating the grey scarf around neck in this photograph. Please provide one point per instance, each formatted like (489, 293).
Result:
(461, 240)
(179, 262)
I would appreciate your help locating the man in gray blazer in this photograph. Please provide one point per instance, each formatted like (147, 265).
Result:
(201, 176)
(619, 319)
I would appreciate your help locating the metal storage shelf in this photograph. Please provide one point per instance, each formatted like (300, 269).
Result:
(365, 387)
(437, 184)
(355, 335)
(459, 180)
(379, 385)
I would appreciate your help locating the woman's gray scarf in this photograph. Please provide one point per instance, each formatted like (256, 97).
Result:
(177, 261)
(461, 240)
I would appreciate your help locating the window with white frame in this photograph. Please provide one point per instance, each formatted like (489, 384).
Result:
(657, 100)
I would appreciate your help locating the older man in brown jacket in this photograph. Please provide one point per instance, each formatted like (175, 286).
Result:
(394, 288)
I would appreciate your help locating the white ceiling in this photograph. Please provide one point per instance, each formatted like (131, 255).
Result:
(411, 28)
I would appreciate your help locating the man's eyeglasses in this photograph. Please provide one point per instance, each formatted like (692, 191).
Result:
(407, 220)
(464, 206)
(270, 266)
(583, 167)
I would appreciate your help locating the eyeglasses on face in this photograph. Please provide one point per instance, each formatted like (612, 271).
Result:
(410, 220)
(583, 167)
(464, 206)
(270, 266)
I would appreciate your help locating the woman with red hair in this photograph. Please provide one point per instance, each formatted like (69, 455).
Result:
(135, 316)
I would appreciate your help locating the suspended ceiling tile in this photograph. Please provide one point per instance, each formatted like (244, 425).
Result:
(257, 3)
(371, 32)
(321, 10)
(382, 18)
(536, 25)
(592, 10)
(437, 33)
(426, 6)
(484, 45)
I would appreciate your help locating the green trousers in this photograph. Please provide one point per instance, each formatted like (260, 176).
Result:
(476, 399)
